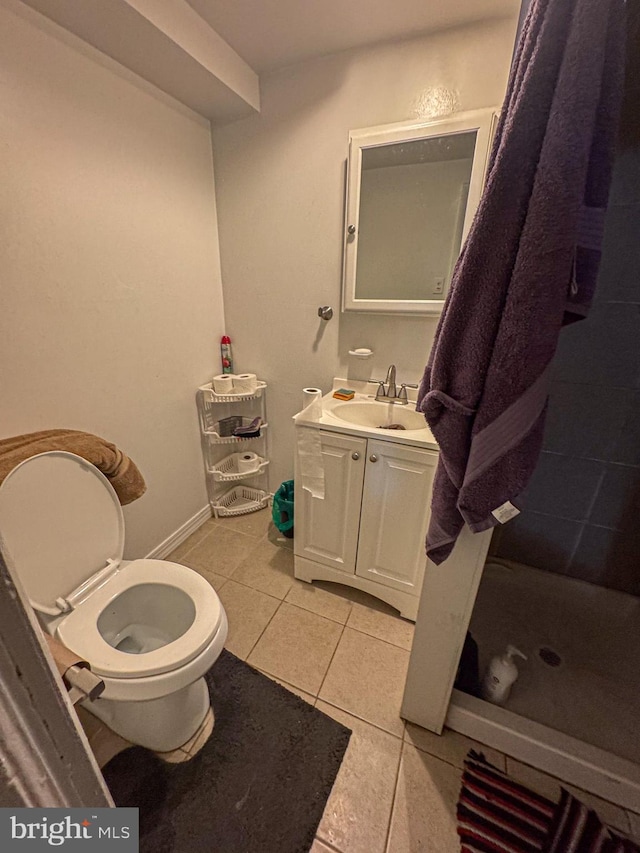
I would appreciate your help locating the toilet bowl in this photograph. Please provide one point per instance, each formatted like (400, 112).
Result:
(150, 629)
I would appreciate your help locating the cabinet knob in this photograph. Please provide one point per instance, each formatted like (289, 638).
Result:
(373, 458)
(355, 456)
(351, 229)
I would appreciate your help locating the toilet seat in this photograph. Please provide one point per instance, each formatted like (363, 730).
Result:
(62, 524)
(79, 629)
(64, 529)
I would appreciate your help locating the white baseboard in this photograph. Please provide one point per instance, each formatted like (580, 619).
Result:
(179, 535)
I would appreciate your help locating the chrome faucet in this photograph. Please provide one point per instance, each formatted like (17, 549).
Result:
(392, 391)
(390, 394)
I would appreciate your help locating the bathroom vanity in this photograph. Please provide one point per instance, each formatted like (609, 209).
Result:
(368, 529)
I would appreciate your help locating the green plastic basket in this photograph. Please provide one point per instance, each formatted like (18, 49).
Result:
(282, 512)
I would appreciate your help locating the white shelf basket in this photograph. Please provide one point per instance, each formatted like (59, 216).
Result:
(209, 399)
(240, 500)
(216, 438)
(211, 396)
(226, 470)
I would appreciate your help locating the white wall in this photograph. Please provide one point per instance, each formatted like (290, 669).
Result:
(280, 192)
(111, 297)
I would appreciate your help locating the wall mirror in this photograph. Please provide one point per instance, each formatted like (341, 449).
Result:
(412, 191)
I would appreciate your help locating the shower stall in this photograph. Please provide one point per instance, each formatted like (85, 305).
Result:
(562, 580)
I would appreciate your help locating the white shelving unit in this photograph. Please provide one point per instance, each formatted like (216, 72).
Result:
(232, 490)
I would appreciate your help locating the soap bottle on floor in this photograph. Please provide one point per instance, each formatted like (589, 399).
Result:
(500, 675)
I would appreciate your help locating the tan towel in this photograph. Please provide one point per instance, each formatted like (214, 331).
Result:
(121, 472)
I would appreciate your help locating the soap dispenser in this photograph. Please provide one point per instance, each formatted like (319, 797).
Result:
(500, 675)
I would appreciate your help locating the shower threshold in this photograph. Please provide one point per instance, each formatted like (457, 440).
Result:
(571, 760)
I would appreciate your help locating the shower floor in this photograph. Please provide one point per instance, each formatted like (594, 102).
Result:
(582, 676)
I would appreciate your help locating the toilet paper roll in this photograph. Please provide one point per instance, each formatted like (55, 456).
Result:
(64, 657)
(311, 403)
(245, 383)
(223, 384)
(247, 462)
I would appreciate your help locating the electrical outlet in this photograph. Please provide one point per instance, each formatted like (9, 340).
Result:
(438, 286)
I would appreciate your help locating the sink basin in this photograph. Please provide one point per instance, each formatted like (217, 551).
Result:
(374, 414)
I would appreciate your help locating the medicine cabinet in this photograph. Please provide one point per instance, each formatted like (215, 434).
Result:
(412, 191)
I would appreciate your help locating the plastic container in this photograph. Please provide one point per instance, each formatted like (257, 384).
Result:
(240, 500)
(227, 468)
(226, 354)
(226, 426)
(282, 511)
(501, 674)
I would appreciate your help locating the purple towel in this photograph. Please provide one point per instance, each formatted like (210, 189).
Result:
(528, 266)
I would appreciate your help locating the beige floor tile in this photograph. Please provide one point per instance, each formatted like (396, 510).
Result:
(312, 597)
(220, 551)
(451, 746)
(356, 816)
(253, 524)
(268, 568)
(274, 535)
(392, 629)
(290, 687)
(175, 756)
(366, 678)
(216, 581)
(190, 542)
(297, 646)
(424, 811)
(549, 787)
(248, 612)
(634, 820)
(319, 847)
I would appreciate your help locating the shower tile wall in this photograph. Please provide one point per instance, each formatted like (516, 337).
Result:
(582, 508)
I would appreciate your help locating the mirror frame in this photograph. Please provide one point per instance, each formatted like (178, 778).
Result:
(482, 121)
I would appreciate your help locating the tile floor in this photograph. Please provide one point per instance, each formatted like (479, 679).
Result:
(347, 654)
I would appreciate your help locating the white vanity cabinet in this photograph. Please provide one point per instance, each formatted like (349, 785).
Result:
(368, 530)
(326, 529)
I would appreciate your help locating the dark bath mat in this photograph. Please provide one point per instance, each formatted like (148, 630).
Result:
(259, 785)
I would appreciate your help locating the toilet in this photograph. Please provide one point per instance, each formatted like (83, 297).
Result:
(150, 629)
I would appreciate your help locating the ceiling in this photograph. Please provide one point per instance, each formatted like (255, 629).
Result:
(215, 69)
(270, 34)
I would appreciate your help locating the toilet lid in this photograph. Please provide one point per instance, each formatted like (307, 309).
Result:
(61, 522)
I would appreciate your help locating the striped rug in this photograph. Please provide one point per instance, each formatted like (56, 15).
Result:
(497, 815)
(576, 828)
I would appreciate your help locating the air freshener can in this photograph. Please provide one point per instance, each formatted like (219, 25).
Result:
(225, 354)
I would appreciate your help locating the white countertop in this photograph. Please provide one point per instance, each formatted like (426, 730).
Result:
(365, 393)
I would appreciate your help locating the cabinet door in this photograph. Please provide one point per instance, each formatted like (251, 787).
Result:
(326, 529)
(395, 513)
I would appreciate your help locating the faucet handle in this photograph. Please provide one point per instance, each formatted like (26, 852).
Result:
(380, 393)
(402, 394)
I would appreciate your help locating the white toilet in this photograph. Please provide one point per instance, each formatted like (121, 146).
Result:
(151, 629)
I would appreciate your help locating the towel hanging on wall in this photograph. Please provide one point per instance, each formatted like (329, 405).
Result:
(122, 473)
(528, 266)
